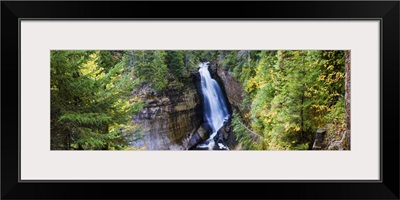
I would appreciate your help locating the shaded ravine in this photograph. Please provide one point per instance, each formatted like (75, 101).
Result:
(214, 107)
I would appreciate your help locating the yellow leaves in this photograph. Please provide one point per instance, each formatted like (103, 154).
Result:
(253, 84)
(335, 77)
(320, 108)
(99, 76)
(135, 99)
(125, 105)
(260, 66)
(307, 94)
(267, 116)
(109, 85)
(122, 106)
(261, 84)
(315, 106)
(311, 91)
(91, 68)
(293, 127)
(321, 77)
(329, 79)
(267, 120)
(258, 81)
(273, 114)
(287, 126)
(339, 75)
(271, 71)
(330, 67)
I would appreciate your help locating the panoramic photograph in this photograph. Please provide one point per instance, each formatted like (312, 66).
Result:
(177, 100)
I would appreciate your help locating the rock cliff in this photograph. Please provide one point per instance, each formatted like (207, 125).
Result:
(233, 89)
(169, 118)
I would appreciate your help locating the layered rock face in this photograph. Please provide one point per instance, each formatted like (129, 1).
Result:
(169, 119)
(173, 120)
(233, 89)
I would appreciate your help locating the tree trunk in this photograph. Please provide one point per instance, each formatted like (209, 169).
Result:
(302, 115)
(347, 97)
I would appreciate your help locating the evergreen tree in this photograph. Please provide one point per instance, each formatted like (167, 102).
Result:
(288, 94)
(149, 67)
(292, 94)
(175, 61)
(90, 101)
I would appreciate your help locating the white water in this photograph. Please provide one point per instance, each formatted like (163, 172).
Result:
(215, 109)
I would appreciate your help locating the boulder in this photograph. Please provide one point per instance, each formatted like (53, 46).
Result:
(194, 140)
(202, 134)
(319, 143)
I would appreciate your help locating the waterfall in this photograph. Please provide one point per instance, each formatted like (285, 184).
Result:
(215, 109)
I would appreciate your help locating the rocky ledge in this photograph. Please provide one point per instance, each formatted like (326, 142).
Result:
(168, 119)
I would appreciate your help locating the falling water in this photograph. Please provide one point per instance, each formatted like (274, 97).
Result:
(215, 109)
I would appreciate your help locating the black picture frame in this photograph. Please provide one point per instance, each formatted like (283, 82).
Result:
(386, 11)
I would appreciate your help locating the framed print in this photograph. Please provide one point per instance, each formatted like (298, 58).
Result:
(290, 96)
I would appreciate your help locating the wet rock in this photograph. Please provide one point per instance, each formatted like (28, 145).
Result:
(206, 127)
(204, 131)
(194, 140)
(202, 134)
(219, 138)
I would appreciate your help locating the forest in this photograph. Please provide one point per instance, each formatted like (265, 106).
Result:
(157, 99)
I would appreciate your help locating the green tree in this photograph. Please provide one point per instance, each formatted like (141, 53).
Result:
(149, 67)
(175, 61)
(91, 104)
(291, 94)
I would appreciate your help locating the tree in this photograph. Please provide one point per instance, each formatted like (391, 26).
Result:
(292, 94)
(149, 67)
(90, 101)
(348, 96)
(159, 70)
(175, 60)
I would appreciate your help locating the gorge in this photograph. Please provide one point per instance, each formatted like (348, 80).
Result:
(200, 100)
(187, 120)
